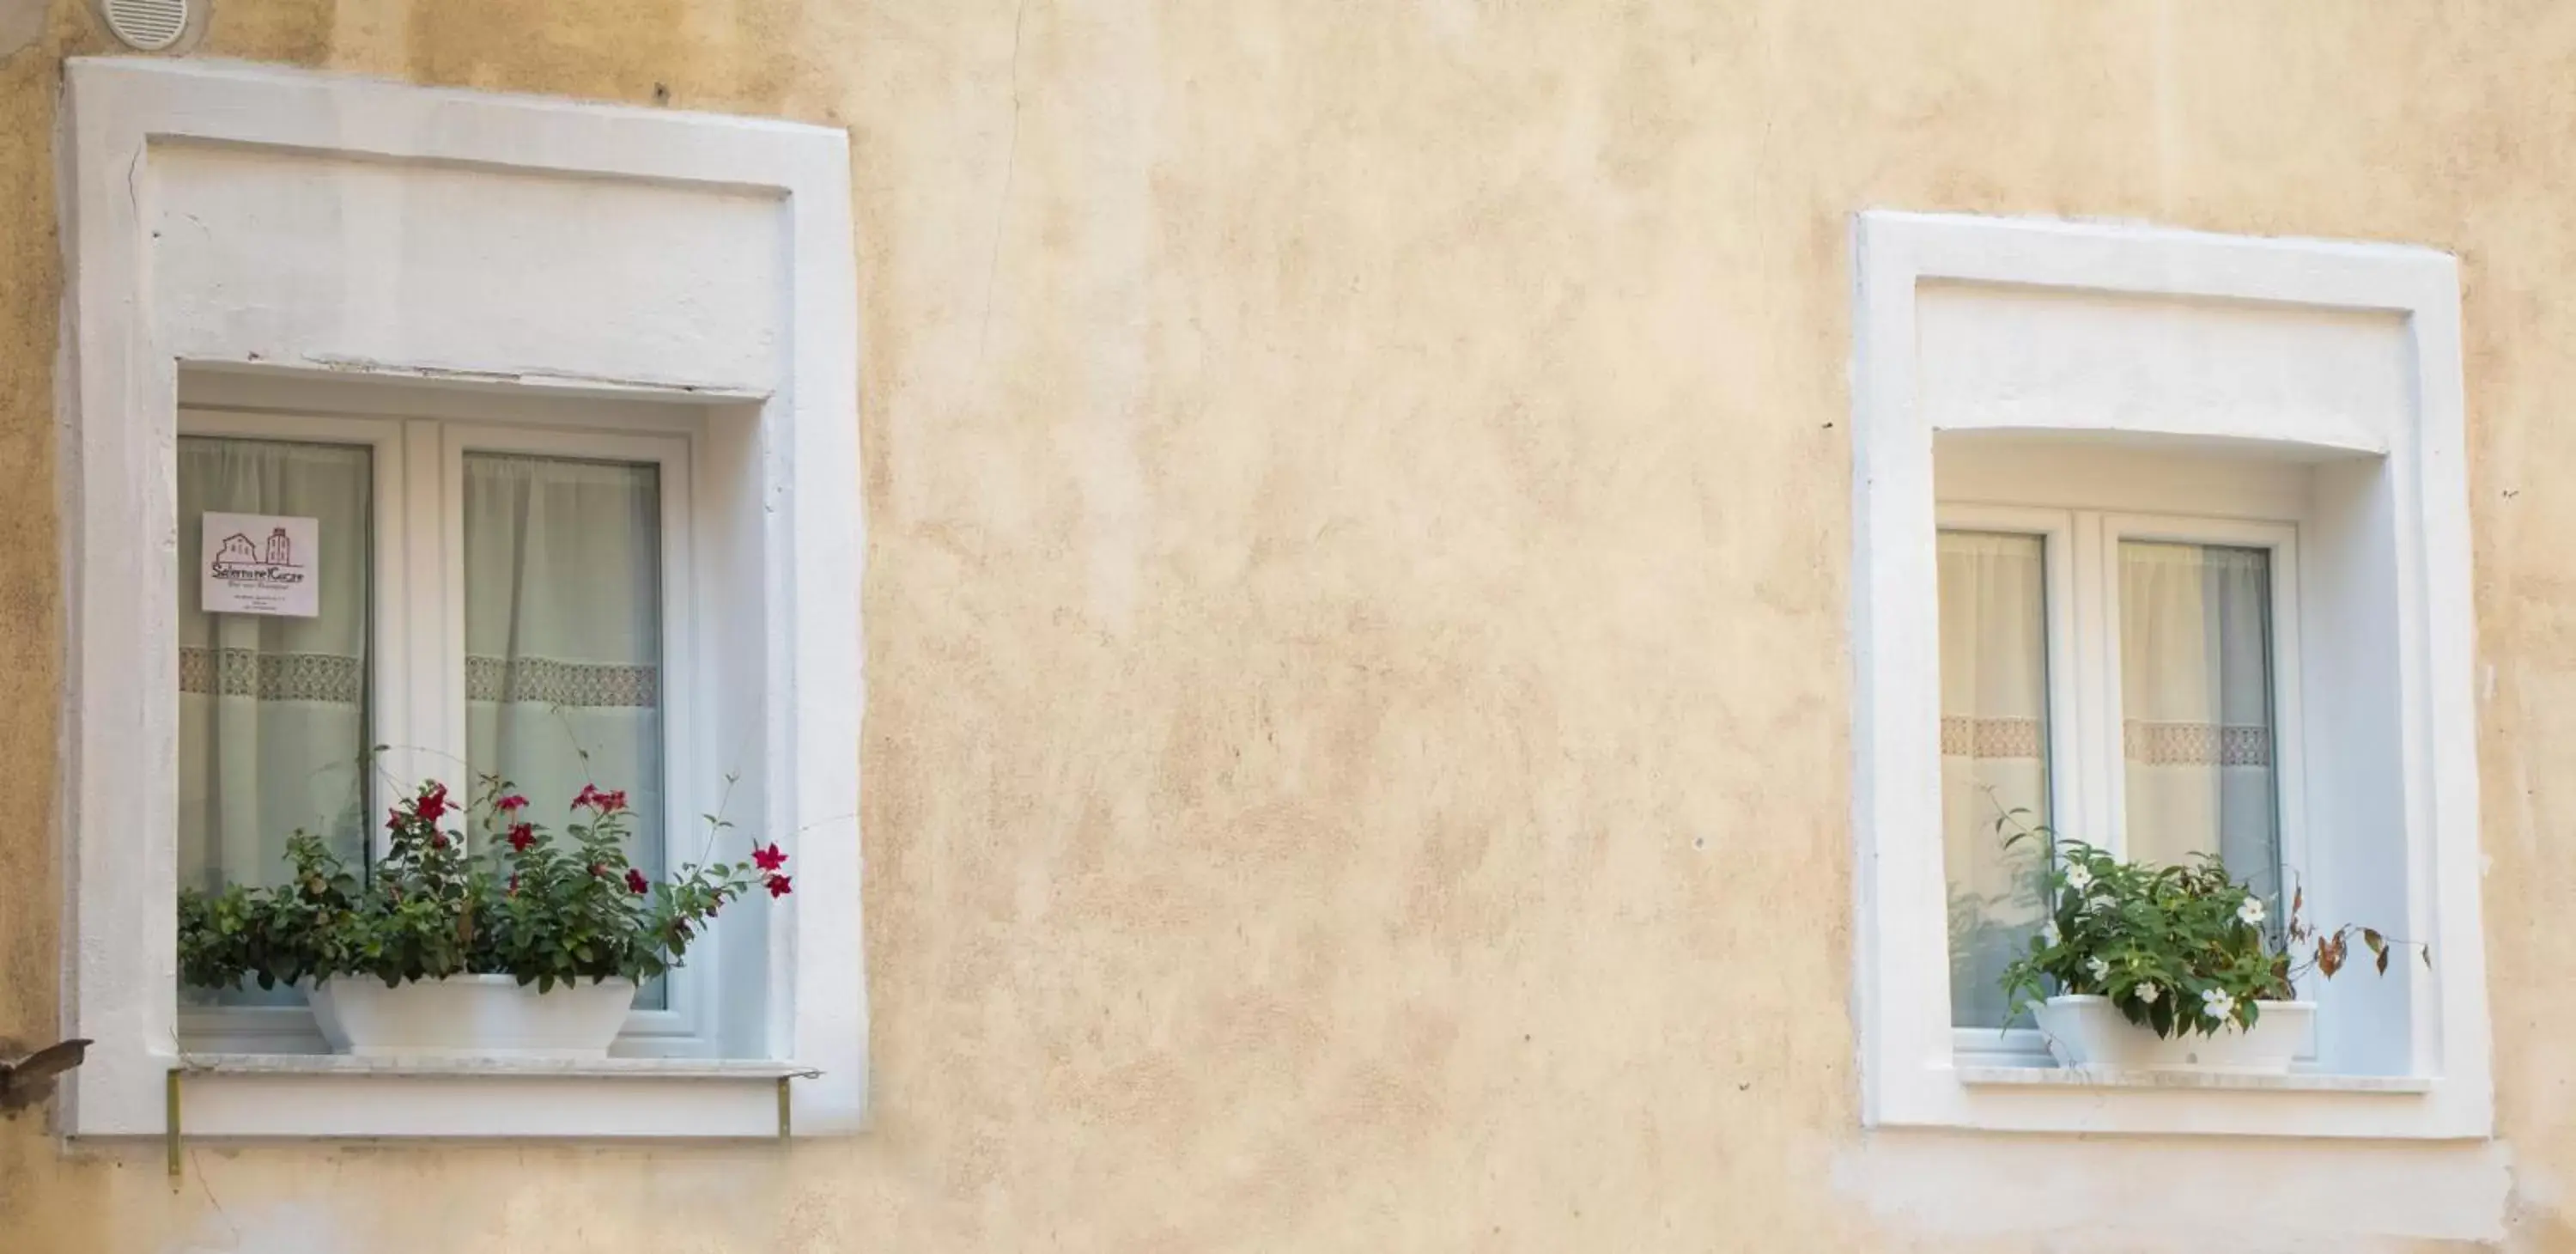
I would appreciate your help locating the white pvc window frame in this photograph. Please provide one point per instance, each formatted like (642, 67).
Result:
(1911, 1069)
(685, 1026)
(2087, 775)
(766, 347)
(390, 677)
(2280, 540)
(2061, 597)
(416, 699)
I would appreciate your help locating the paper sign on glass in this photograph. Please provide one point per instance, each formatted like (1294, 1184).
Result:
(261, 564)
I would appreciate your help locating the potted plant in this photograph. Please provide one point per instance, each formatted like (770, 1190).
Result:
(2172, 968)
(532, 945)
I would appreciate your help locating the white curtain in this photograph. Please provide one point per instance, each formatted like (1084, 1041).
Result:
(1994, 755)
(273, 710)
(2196, 700)
(563, 632)
(563, 636)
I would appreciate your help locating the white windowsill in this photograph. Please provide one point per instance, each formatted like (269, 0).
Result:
(452, 1068)
(331, 1096)
(2114, 1078)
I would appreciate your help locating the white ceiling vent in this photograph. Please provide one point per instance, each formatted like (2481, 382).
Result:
(150, 25)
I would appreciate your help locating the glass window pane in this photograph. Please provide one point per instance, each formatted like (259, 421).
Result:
(2196, 703)
(1994, 756)
(273, 710)
(563, 635)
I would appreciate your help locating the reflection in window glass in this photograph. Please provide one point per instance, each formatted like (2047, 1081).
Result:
(2196, 706)
(1994, 755)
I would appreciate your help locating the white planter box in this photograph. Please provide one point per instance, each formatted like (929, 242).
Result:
(2088, 1031)
(480, 1016)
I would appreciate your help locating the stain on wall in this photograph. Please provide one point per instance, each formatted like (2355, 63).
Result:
(22, 23)
(1357, 730)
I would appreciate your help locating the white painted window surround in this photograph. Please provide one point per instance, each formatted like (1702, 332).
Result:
(254, 241)
(2286, 393)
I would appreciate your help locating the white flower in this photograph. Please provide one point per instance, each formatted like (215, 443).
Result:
(2147, 994)
(2077, 878)
(2101, 970)
(2217, 1004)
(2251, 912)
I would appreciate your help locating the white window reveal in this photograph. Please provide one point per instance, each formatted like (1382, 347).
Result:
(2161, 543)
(526, 433)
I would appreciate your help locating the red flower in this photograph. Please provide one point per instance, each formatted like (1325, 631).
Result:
(393, 820)
(514, 886)
(600, 799)
(510, 804)
(522, 836)
(433, 803)
(635, 881)
(770, 859)
(777, 885)
(597, 871)
(437, 841)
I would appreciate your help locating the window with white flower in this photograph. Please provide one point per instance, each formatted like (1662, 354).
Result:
(2161, 543)
(2125, 679)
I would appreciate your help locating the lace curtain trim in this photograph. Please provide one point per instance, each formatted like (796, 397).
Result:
(327, 678)
(2196, 744)
(2143, 742)
(552, 681)
(1965, 737)
(338, 679)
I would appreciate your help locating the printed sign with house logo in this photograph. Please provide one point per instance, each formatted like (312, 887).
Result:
(261, 564)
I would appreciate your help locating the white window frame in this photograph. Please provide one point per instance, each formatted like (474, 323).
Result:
(761, 349)
(418, 472)
(2061, 596)
(2087, 721)
(684, 1027)
(2410, 436)
(2289, 778)
(290, 1029)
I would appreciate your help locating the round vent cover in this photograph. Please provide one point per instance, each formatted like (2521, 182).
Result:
(150, 25)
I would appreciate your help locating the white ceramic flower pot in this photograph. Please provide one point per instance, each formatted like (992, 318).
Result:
(2088, 1031)
(481, 1016)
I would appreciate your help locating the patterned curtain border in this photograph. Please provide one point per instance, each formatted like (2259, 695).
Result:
(1963, 736)
(327, 678)
(2196, 744)
(553, 681)
(2143, 742)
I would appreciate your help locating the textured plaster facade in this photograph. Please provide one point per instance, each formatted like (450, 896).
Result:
(1358, 495)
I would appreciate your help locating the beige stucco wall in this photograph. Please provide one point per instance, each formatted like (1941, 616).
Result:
(1357, 731)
